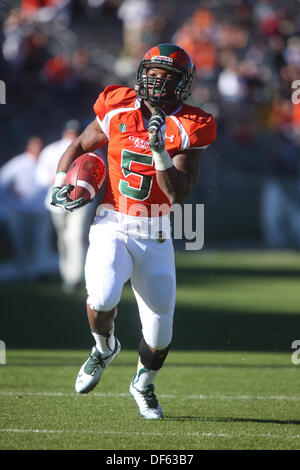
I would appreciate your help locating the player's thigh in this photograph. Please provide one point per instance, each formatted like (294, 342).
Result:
(154, 284)
(108, 266)
(153, 276)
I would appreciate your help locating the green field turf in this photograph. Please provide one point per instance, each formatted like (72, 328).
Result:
(211, 401)
(228, 382)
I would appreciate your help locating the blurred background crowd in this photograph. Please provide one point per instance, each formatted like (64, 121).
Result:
(56, 56)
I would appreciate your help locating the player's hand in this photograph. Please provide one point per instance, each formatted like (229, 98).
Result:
(157, 130)
(80, 202)
(60, 198)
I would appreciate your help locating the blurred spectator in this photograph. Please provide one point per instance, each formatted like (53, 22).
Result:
(141, 29)
(13, 33)
(230, 84)
(57, 72)
(72, 228)
(71, 73)
(46, 10)
(280, 206)
(196, 38)
(24, 48)
(95, 3)
(28, 221)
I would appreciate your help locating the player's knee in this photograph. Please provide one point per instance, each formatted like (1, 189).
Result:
(161, 288)
(104, 293)
(102, 306)
(104, 301)
(153, 360)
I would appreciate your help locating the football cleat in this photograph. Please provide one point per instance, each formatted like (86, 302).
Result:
(147, 402)
(91, 371)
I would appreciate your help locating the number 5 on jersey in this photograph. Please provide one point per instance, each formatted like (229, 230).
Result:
(136, 186)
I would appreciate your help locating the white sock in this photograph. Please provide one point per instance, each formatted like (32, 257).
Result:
(144, 376)
(105, 343)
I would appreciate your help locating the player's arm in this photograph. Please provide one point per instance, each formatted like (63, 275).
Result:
(178, 181)
(91, 139)
(176, 177)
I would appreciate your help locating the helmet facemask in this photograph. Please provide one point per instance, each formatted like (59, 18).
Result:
(166, 90)
(174, 88)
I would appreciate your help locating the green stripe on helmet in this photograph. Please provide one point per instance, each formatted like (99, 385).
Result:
(167, 49)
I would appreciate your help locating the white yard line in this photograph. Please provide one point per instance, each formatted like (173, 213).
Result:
(147, 434)
(241, 397)
(177, 397)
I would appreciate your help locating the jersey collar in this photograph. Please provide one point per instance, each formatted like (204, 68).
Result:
(137, 105)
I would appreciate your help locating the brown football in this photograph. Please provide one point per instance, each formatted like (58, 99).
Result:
(87, 175)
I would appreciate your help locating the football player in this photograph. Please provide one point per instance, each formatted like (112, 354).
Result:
(154, 145)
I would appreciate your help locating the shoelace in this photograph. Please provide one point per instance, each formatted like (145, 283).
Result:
(150, 397)
(93, 363)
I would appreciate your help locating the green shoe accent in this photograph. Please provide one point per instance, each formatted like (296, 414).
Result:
(91, 371)
(149, 396)
(96, 358)
(143, 370)
(147, 402)
(93, 363)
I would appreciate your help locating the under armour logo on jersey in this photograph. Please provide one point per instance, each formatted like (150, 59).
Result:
(171, 138)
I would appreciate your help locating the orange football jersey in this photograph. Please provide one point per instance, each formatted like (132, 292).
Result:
(131, 184)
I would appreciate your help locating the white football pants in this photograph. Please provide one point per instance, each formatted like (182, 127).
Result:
(124, 247)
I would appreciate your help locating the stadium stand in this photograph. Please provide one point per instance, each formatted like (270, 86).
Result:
(56, 56)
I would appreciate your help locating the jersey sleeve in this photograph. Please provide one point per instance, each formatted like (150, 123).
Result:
(198, 129)
(101, 108)
(203, 134)
(112, 98)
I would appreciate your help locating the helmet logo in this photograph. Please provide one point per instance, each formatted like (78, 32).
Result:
(162, 57)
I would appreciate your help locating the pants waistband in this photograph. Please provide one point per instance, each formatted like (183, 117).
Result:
(144, 227)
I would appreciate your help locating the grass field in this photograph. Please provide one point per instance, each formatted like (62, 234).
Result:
(228, 383)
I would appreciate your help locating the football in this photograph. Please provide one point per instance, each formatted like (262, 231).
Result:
(87, 175)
